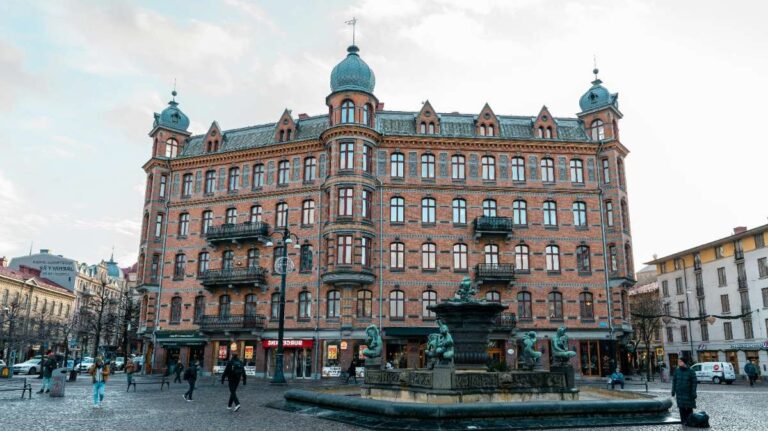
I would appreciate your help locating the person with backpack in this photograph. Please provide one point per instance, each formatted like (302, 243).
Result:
(233, 372)
(190, 375)
(684, 390)
(177, 371)
(752, 372)
(48, 364)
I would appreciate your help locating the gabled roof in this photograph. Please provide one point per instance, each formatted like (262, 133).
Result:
(29, 275)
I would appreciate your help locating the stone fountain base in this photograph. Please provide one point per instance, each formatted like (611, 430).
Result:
(449, 386)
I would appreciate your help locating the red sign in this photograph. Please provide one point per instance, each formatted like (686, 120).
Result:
(288, 344)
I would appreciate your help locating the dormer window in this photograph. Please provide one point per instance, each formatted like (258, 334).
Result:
(288, 135)
(423, 128)
(282, 135)
(490, 131)
(431, 128)
(548, 133)
(171, 148)
(482, 130)
(347, 112)
(598, 130)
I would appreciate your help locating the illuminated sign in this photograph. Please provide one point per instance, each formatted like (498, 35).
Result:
(292, 344)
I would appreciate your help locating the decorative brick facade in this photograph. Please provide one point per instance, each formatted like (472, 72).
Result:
(487, 200)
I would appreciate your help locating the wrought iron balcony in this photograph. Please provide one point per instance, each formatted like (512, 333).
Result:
(506, 321)
(742, 283)
(487, 272)
(258, 231)
(232, 322)
(348, 274)
(738, 254)
(254, 276)
(493, 226)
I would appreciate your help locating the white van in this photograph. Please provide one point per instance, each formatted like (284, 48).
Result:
(715, 372)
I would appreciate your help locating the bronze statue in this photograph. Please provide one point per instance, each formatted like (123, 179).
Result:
(466, 292)
(374, 342)
(530, 355)
(560, 347)
(440, 346)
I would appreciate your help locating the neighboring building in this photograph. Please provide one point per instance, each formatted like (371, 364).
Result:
(726, 277)
(34, 313)
(391, 209)
(642, 296)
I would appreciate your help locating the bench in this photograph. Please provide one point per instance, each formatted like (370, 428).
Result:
(16, 384)
(630, 383)
(149, 380)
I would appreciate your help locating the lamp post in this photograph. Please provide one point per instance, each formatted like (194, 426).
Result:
(282, 268)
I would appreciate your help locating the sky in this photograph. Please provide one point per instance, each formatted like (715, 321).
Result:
(80, 80)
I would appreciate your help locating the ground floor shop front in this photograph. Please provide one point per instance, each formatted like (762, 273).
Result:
(737, 353)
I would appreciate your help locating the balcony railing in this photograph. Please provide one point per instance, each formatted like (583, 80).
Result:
(256, 276)
(485, 225)
(742, 282)
(506, 321)
(495, 272)
(235, 232)
(738, 254)
(232, 322)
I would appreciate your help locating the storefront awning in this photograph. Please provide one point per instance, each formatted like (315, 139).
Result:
(399, 331)
(179, 338)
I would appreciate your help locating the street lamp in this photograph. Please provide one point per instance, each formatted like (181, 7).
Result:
(282, 268)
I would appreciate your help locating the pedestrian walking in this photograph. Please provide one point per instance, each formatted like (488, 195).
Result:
(190, 375)
(99, 373)
(752, 372)
(233, 372)
(684, 390)
(177, 371)
(47, 365)
(351, 371)
(130, 368)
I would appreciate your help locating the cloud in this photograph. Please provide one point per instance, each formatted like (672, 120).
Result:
(14, 79)
(256, 12)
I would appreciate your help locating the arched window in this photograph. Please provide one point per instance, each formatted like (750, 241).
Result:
(524, 305)
(186, 186)
(183, 224)
(333, 309)
(283, 171)
(250, 305)
(459, 211)
(397, 210)
(428, 298)
(428, 208)
(460, 257)
(586, 306)
(227, 260)
(224, 306)
(308, 212)
(364, 303)
(310, 169)
(555, 305)
(305, 258)
(367, 115)
(489, 208)
(583, 263)
(428, 256)
(458, 164)
(540, 132)
(281, 215)
(518, 169)
(199, 308)
(288, 135)
(282, 136)
(552, 253)
(256, 214)
(550, 213)
(258, 175)
(482, 130)
(423, 127)
(397, 255)
(521, 257)
(305, 305)
(234, 179)
(231, 216)
(178, 267)
(171, 148)
(548, 133)
(493, 296)
(491, 131)
(577, 171)
(206, 221)
(203, 261)
(598, 130)
(519, 212)
(547, 170)
(580, 214)
(488, 164)
(491, 254)
(347, 111)
(274, 306)
(175, 310)
(428, 166)
(253, 258)
(397, 165)
(431, 128)
(396, 304)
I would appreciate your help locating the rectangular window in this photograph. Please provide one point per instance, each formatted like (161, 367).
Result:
(186, 186)
(725, 303)
(346, 155)
(210, 182)
(365, 205)
(759, 240)
(606, 171)
(310, 169)
(577, 171)
(665, 288)
(762, 267)
(428, 166)
(613, 257)
(765, 296)
(158, 225)
(155, 268)
(679, 286)
(488, 164)
(163, 185)
(518, 169)
(258, 176)
(609, 213)
(365, 252)
(721, 279)
(704, 331)
(283, 169)
(234, 179)
(681, 309)
(428, 208)
(728, 329)
(458, 167)
(367, 159)
(684, 334)
(397, 165)
(670, 338)
(344, 250)
(748, 332)
(345, 201)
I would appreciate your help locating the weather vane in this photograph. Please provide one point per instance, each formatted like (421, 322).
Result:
(352, 22)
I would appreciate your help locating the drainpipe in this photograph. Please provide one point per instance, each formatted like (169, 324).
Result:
(381, 252)
(162, 263)
(320, 222)
(605, 243)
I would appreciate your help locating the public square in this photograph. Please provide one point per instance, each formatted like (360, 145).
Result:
(731, 407)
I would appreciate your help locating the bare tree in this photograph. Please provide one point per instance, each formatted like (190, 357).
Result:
(97, 316)
(646, 321)
(128, 310)
(12, 317)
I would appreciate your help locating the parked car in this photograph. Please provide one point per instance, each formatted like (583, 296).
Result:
(2, 363)
(119, 363)
(70, 365)
(715, 372)
(31, 366)
(85, 364)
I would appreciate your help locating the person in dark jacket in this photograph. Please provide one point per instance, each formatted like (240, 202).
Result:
(177, 371)
(752, 372)
(48, 364)
(233, 372)
(190, 375)
(684, 390)
(352, 371)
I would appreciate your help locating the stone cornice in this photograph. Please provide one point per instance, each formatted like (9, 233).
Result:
(247, 155)
(437, 143)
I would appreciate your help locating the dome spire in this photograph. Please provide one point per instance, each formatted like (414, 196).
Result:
(595, 71)
(353, 23)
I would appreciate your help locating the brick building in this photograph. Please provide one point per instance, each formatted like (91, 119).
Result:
(391, 209)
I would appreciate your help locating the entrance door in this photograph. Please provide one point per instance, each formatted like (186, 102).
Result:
(303, 363)
(590, 357)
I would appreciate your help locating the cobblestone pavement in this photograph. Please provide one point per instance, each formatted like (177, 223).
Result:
(735, 407)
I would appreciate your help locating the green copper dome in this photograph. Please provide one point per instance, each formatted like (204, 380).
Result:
(598, 96)
(352, 74)
(172, 117)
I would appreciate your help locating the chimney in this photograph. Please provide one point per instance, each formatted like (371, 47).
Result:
(44, 251)
(739, 229)
(3, 262)
(380, 106)
(303, 116)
